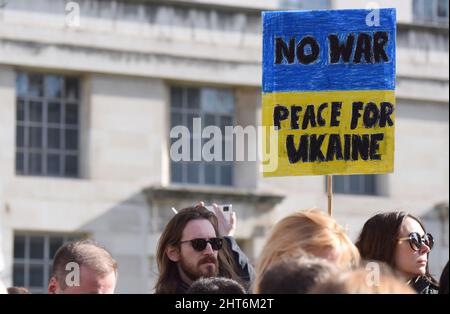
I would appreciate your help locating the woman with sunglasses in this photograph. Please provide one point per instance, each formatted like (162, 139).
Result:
(401, 241)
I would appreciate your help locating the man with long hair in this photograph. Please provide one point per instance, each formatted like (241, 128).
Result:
(191, 247)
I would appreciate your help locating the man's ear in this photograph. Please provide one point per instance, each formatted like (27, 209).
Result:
(52, 286)
(173, 253)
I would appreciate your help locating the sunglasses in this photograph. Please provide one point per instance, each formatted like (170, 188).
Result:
(200, 244)
(416, 241)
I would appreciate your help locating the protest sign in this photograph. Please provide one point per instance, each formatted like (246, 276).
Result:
(329, 91)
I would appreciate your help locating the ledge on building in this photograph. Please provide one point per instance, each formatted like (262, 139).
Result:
(209, 194)
(249, 5)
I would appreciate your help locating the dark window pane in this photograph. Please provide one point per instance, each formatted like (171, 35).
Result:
(35, 85)
(20, 136)
(418, 8)
(370, 185)
(54, 112)
(36, 276)
(226, 175)
(210, 120)
(35, 163)
(193, 172)
(217, 101)
(20, 163)
(53, 86)
(35, 137)
(72, 88)
(19, 275)
(19, 246)
(176, 172)
(210, 174)
(443, 8)
(20, 114)
(53, 164)
(225, 121)
(429, 11)
(55, 244)
(338, 184)
(356, 184)
(53, 138)
(177, 97)
(177, 119)
(193, 97)
(215, 107)
(71, 138)
(72, 114)
(37, 247)
(22, 84)
(71, 166)
(35, 111)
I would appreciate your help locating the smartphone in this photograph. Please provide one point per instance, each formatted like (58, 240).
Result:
(226, 210)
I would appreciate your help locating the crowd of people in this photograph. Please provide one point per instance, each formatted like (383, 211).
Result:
(307, 252)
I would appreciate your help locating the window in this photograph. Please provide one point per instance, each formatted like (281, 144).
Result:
(33, 258)
(431, 11)
(214, 107)
(304, 4)
(47, 129)
(355, 184)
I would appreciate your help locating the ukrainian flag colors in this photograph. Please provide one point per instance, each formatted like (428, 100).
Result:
(329, 91)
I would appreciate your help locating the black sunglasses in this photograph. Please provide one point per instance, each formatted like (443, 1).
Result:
(200, 244)
(416, 241)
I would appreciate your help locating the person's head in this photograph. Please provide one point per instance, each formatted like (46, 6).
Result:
(295, 276)
(18, 290)
(399, 240)
(312, 232)
(216, 285)
(443, 281)
(83, 267)
(362, 281)
(190, 248)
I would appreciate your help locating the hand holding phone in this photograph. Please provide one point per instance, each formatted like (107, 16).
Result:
(225, 217)
(225, 209)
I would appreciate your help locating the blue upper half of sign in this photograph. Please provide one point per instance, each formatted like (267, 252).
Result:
(329, 50)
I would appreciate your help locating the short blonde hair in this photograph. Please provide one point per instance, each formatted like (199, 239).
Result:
(305, 232)
(82, 252)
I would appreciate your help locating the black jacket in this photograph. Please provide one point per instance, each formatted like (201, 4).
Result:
(245, 270)
(423, 285)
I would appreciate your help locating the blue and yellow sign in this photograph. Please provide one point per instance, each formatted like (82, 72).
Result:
(329, 90)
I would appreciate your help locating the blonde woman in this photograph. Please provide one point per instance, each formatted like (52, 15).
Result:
(307, 232)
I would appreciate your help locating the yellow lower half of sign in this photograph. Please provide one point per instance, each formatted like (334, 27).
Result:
(319, 133)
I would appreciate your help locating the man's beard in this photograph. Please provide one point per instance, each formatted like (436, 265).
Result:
(195, 273)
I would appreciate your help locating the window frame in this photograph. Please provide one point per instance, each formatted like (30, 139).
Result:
(346, 188)
(419, 15)
(24, 152)
(303, 5)
(184, 111)
(46, 261)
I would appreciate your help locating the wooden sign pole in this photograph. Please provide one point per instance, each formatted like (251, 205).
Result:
(330, 194)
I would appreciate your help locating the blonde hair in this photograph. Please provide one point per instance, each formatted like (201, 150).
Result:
(305, 232)
(359, 282)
